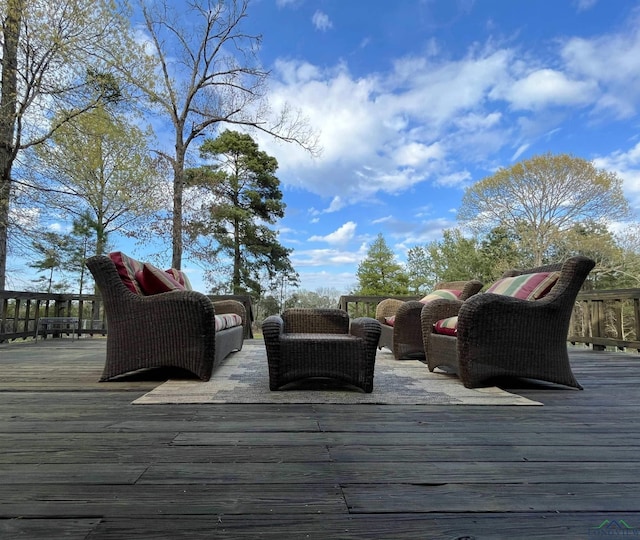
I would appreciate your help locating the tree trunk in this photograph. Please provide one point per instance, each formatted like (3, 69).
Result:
(178, 188)
(8, 101)
(237, 258)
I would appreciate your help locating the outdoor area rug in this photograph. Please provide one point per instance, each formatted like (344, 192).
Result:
(243, 377)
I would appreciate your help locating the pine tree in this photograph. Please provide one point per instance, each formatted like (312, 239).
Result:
(241, 200)
(379, 273)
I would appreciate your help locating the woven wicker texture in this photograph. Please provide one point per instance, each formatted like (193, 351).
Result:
(173, 329)
(404, 338)
(502, 336)
(304, 343)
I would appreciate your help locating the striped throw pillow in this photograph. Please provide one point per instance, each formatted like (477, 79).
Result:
(448, 326)
(449, 294)
(227, 320)
(180, 277)
(526, 286)
(152, 280)
(127, 268)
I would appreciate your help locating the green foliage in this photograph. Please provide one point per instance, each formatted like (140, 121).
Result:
(419, 271)
(321, 298)
(500, 251)
(241, 200)
(455, 257)
(594, 240)
(96, 169)
(379, 273)
(52, 61)
(266, 306)
(542, 198)
(56, 253)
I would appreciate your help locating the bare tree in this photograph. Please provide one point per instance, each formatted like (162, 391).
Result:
(203, 71)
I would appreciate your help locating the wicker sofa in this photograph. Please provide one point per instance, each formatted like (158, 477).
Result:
(310, 343)
(503, 336)
(404, 338)
(171, 329)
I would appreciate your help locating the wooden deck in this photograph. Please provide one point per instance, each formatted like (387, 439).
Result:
(78, 461)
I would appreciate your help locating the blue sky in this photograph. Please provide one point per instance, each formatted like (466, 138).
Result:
(416, 99)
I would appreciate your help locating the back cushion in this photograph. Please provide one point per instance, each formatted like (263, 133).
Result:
(449, 294)
(152, 280)
(180, 277)
(227, 320)
(127, 268)
(526, 286)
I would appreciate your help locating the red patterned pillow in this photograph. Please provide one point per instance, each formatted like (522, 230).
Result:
(180, 277)
(390, 320)
(152, 280)
(127, 268)
(526, 286)
(449, 294)
(448, 326)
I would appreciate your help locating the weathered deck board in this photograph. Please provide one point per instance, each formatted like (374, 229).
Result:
(78, 461)
(537, 525)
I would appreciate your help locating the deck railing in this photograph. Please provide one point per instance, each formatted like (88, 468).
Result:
(604, 318)
(20, 312)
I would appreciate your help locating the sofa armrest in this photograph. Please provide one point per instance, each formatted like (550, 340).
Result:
(487, 317)
(272, 328)
(409, 311)
(366, 328)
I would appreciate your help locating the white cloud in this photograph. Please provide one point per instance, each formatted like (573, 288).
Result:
(27, 218)
(341, 281)
(548, 87)
(321, 21)
(342, 235)
(384, 219)
(627, 166)
(613, 61)
(336, 204)
(415, 153)
(585, 5)
(286, 3)
(454, 179)
(433, 120)
(521, 149)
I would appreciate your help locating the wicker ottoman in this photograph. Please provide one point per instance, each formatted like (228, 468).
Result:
(307, 343)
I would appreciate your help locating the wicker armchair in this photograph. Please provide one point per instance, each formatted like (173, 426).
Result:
(502, 336)
(173, 329)
(404, 338)
(307, 343)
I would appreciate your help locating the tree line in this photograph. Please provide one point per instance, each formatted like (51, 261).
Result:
(539, 211)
